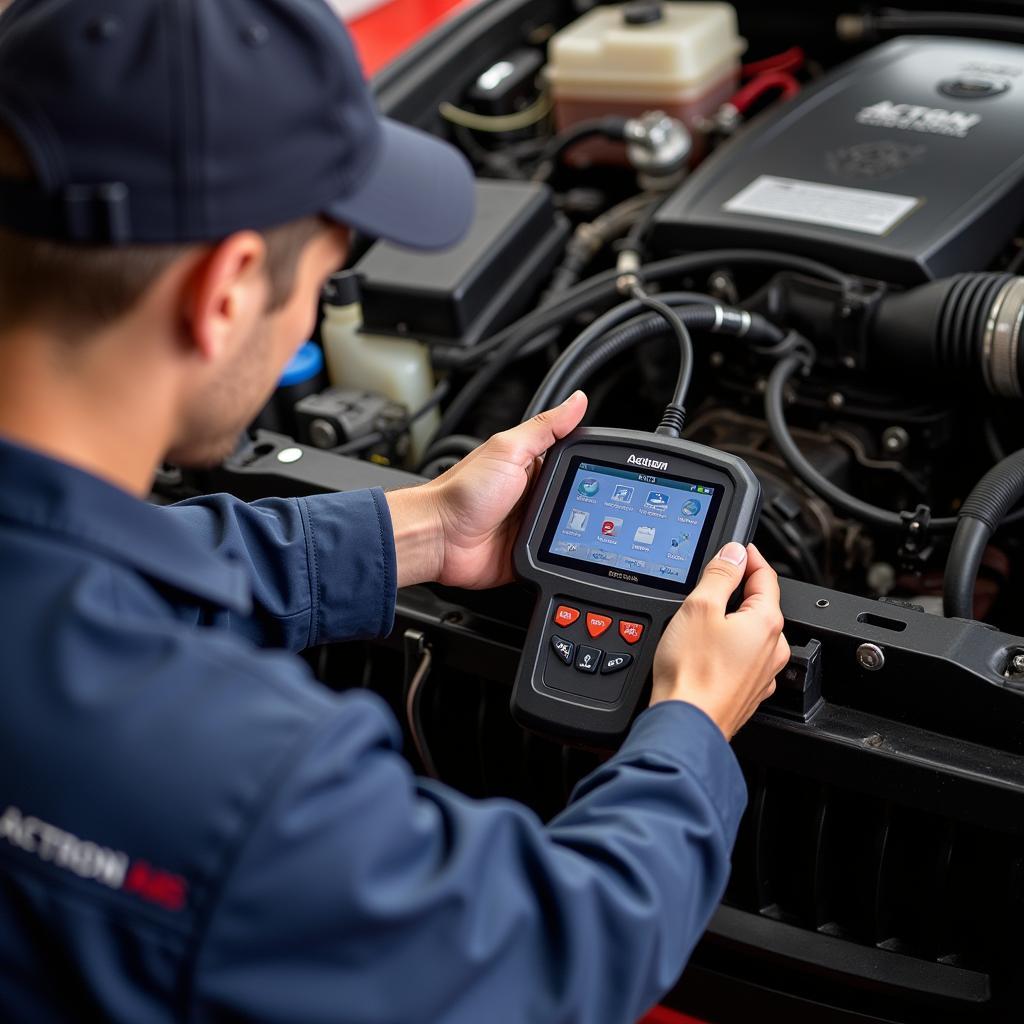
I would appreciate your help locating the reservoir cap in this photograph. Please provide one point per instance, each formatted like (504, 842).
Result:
(305, 364)
(643, 12)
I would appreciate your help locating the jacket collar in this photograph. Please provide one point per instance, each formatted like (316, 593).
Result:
(41, 493)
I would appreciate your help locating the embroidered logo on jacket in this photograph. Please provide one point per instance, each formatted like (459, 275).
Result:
(111, 868)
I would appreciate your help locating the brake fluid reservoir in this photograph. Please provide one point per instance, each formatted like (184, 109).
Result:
(682, 58)
(397, 368)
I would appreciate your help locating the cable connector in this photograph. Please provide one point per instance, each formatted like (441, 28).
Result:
(672, 421)
(628, 266)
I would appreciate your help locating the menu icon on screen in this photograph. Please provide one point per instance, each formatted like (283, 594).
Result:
(611, 526)
(578, 519)
(644, 535)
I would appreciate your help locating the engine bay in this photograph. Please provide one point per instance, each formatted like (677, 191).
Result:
(828, 208)
(869, 214)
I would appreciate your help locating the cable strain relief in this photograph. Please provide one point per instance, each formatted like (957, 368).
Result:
(672, 421)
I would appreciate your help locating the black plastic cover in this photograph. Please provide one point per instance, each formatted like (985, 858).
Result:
(877, 169)
(458, 295)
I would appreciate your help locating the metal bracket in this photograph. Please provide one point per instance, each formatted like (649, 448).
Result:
(853, 316)
(917, 545)
(798, 692)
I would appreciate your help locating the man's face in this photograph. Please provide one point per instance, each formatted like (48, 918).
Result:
(238, 389)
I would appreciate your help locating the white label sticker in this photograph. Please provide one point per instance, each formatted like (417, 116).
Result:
(834, 206)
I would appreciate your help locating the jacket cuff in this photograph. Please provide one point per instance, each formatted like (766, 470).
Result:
(685, 736)
(350, 548)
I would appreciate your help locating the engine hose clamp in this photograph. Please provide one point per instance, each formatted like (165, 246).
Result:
(1001, 343)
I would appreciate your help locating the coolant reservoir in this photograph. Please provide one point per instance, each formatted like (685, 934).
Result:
(682, 58)
(397, 368)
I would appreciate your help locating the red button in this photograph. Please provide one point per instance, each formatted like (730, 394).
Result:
(631, 631)
(566, 616)
(597, 624)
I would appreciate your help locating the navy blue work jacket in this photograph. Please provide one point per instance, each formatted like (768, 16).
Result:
(192, 828)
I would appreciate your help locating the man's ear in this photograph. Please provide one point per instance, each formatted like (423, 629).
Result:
(226, 294)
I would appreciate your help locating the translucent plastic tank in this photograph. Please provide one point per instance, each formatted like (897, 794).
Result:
(682, 58)
(399, 369)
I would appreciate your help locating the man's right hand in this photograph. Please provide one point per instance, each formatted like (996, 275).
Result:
(725, 664)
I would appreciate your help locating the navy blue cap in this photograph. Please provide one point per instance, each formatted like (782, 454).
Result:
(175, 121)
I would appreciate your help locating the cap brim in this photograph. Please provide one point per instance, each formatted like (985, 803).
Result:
(419, 193)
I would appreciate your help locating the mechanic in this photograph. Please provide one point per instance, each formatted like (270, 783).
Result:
(191, 827)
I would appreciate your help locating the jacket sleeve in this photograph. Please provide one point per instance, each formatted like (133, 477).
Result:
(367, 896)
(321, 568)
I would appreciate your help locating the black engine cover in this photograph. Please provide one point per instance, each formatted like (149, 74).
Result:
(904, 164)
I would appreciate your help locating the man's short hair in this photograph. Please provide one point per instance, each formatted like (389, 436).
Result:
(77, 290)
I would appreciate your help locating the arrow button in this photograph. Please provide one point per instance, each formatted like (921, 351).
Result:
(565, 649)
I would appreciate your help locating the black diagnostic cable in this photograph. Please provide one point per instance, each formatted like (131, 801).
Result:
(507, 345)
(564, 374)
(602, 342)
(674, 418)
(603, 287)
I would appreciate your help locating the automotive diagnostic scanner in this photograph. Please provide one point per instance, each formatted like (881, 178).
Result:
(618, 529)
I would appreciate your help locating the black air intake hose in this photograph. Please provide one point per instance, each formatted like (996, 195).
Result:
(963, 326)
(986, 507)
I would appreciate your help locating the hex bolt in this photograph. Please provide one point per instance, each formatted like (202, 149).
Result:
(870, 657)
(895, 440)
(1017, 664)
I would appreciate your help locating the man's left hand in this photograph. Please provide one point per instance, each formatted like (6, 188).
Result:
(459, 529)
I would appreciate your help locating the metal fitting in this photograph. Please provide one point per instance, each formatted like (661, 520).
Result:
(1001, 344)
(657, 145)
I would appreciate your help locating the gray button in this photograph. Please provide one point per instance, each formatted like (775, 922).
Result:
(588, 659)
